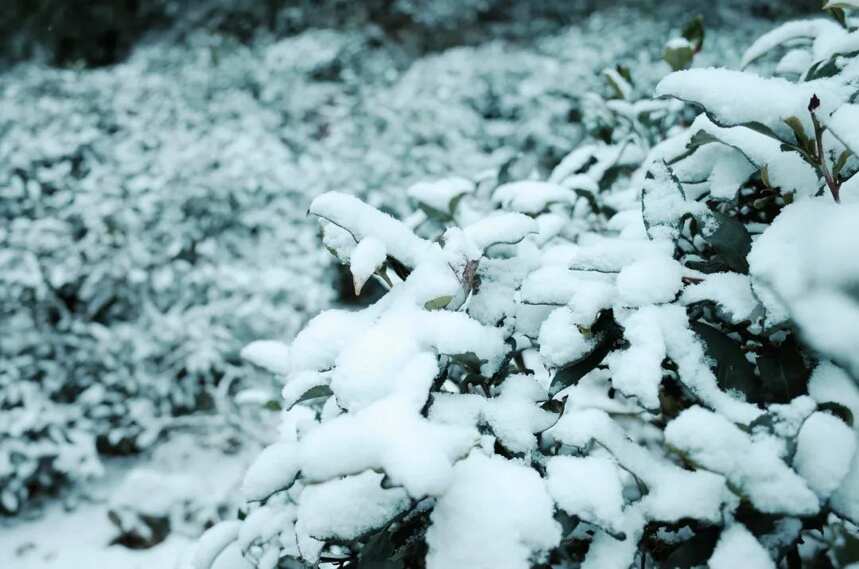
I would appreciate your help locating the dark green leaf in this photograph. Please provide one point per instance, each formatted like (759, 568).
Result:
(846, 548)
(783, 371)
(839, 410)
(694, 552)
(468, 361)
(272, 405)
(607, 332)
(380, 553)
(733, 370)
(693, 31)
(731, 242)
(315, 392)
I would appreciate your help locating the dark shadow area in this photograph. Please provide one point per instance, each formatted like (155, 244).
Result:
(102, 32)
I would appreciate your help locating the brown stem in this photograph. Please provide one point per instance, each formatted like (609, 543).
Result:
(833, 184)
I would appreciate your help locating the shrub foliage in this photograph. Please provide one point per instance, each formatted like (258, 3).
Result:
(646, 358)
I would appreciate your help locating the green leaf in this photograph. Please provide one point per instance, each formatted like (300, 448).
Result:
(701, 138)
(607, 332)
(799, 133)
(679, 57)
(828, 67)
(272, 405)
(846, 547)
(731, 242)
(468, 361)
(438, 303)
(693, 552)
(783, 371)
(841, 162)
(694, 32)
(315, 393)
(433, 213)
(733, 371)
(380, 553)
(839, 410)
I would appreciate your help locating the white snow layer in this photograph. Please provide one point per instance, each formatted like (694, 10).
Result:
(737, 547)
(496, 513)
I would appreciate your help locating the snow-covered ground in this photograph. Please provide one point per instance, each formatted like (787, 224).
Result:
(179, 477)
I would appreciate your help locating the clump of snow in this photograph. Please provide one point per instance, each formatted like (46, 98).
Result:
(492, 497)
(649, 281)
(739, 97)
(824, 451)
(731, 292)
(349, 507)
(369, 254)
(268, 354)
(712, 442)
(737, 547)
(274, 469)
(589, 488)
(806, 259)
(534, 197)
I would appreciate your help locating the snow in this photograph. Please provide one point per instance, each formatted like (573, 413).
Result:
(349, 507)
(738, 97)
(754, 466)
(589, 488)
(737, 547)
(500, 228)
(731, 292)
(361, 220)
(729, 172)
(649, 281)
(213, 543)
(413, 451)
(637, 370)
(663, 202)
(496, 513)
(513, 415)
(533, 197)
(811, 29)
(824, 451)
(843, 123)
(787, 261)
(447, 402)
(268, 354)
(63, 537)
(275, 468)
(440, 195)
(561, 340)
(641, 368)
(829, 383)
(369, 254)
(785, 169)
(673, 493)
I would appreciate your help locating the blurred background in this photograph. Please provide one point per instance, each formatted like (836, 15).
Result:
(156, 162)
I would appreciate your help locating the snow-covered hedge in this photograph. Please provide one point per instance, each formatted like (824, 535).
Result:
(646, 359)
(146, 234)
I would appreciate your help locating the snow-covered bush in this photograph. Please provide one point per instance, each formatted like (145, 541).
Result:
(152, 219)
(146, 234)
(652, 369)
